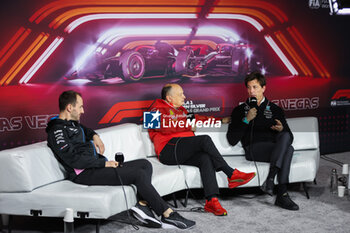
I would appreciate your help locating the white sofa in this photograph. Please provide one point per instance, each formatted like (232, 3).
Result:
(32, 182)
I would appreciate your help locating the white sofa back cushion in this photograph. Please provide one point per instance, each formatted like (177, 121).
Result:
(148, 145)
(25, 168)
(218, 135)
(305, 131)
(125, 138)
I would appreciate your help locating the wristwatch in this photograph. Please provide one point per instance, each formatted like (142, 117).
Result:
(245, 120)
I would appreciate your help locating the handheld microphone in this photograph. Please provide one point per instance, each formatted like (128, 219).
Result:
(119, 157)
(253, 102)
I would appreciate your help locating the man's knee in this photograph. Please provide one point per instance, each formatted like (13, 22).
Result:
(146, 166)
(205, 139)
(146, 163)
(284, 137)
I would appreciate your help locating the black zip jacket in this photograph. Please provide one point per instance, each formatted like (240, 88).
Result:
(71, 143)
(267, 112)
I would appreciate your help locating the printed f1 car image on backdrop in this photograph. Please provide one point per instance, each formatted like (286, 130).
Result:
(228, 59)
(133, 60)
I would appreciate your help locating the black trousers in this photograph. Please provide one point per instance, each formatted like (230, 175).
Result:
(277, 153)
(198, 151)
(137, 172)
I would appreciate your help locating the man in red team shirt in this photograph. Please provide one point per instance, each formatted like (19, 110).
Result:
(176, 144)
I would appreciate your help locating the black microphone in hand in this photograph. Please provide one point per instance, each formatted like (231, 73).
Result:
(119, 157)
(253, 102)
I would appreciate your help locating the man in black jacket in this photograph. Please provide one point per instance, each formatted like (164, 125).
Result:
(261, 127)
(80, 151)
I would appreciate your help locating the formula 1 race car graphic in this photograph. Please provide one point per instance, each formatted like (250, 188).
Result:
(227, 60)
(131, 65)
(163, 60)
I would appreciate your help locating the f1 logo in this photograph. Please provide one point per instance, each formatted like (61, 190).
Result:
(151, 120)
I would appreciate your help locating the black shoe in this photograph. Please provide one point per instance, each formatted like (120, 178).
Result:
(145, 215)
(285, 202)
(175, 220)
(267, 186)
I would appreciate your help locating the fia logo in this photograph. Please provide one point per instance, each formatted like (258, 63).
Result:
(314, 4)
(151, 120)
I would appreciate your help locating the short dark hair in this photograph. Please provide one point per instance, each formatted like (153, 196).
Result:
(165, 91)
(255, 75)
(67, 97)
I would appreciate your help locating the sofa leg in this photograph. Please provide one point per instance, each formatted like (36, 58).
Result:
(6, 222)
(174, 199)
(5, 219)
(315, 182)
(186, 199)
(9, 223)
(98, 224)
(305, 190)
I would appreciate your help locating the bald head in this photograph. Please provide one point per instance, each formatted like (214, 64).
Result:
(173, 94)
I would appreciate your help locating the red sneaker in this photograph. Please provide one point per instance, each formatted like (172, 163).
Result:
(239, 178)
(214, 207)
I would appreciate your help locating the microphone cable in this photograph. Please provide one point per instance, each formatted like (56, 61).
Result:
(251, 139)
(194, 209)
(126, 200)
(332, 160)
(251, 151)
(251, 155)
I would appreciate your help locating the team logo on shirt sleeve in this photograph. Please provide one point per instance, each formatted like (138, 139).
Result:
(59, 136)
(60, 140)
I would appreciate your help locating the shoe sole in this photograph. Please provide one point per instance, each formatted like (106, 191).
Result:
(171, 226)
(239, 182)
(280, 205)
(145, 219)
(210, 211)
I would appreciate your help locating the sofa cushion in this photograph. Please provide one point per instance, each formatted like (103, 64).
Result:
(25, 168)
(53, 199)
(147, 143)
(125, 138)
(304, 166)
(305, 131)
(218, 135)
(166, 179)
